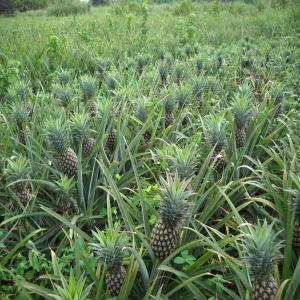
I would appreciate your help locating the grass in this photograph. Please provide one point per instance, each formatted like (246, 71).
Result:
(148, 54)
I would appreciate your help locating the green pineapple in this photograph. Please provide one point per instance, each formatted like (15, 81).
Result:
(142, 114)
(64, 77)
(63, 93)
(166, 231)
(20, 115)
(65, 156)
(262, 251)
(18, 172)
(65, 188)
(81, 133)
(241, 110)
(88, 85)
(169, 104)
(109, 249)
(215, 133)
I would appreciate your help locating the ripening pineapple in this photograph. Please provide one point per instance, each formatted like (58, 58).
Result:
(65, 200)
(20, 115)
(111, 139)
(296, 237)
(215, 133)
(65, 156)
(169, 109)
(142, 114)
(109, 249)
(166, 231)
(262, 251)
(17, 173)
(241, 110)
(81, 133)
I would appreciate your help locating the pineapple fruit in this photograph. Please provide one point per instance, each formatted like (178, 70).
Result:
(88, 85)
(296, 237)
(169, 109)
(109, 249)
(17, 173)
(262, 251)
(215, 133)
(63, 94)
(166, 231)
(20, 115)
(241, 111)
(81, 133)
(111, 139)
(65, 156)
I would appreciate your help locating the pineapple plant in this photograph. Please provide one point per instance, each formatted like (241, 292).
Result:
(215, 133)
(142, 114)
(64, 77)
(63, 93)
(241, 110)
(197, 91)
(179, 73)
(66, 158)
(81, 133)
(163, 73)
(65, 200)
(20, 115)
(166, 231)
(169, 105)
(102, 65)
(88, 85)
(109, 250)
(261, 253)
(18, 172)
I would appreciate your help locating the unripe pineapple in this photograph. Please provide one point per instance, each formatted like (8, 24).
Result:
(109, 249)
(165, 234)
(169, 109)
(88, 86)
(261, 253)
(241, 110)
(81, 133)
(17, 173)
(215, 132)
(111, 139)
(142, 114)
(65, 156)
(65, 199)
(63, 93)
(20, 115)
(64, 77)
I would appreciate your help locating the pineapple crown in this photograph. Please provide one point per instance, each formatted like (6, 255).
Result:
(80, 127)
(198, 88)
(64, 77)
(174, 195)
(112, 82)
(65, 188)
(215, 131)
(102, 64)
(18, 169)
(19, 113)
(62, 93)
(169, 104)
(56, 133)
(109, 247)
(181, 97)
(183, 161)
(241, 110)
(262, 249)
(142, 111)
(163, 71)
(277, 93)
(21, 90)
(88, 85)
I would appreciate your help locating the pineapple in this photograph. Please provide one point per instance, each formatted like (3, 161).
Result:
(22, 90)
(102, 65)
(166, 231)
(65, 156)
(109, 249)
(81, 133)
(179, 73)
(215, 133)
(17, 173)
(64, 190)
(163, 73)
(89, 88)
(64, 77)
(141, 114)
(169, 108)
(296, 238)
(241, 111)
(262, 251)
(63, 93)
(20, 115)
(111, 139)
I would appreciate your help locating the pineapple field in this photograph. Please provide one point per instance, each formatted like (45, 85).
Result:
(150, 151)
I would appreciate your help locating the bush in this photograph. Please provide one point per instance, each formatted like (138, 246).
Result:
(68, 7)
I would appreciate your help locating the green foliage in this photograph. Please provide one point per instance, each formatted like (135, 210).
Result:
(68, 7)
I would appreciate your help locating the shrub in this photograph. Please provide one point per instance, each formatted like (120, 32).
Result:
(9, 6)
(68, 7)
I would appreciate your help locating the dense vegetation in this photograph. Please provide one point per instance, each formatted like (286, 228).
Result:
(151, 152)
